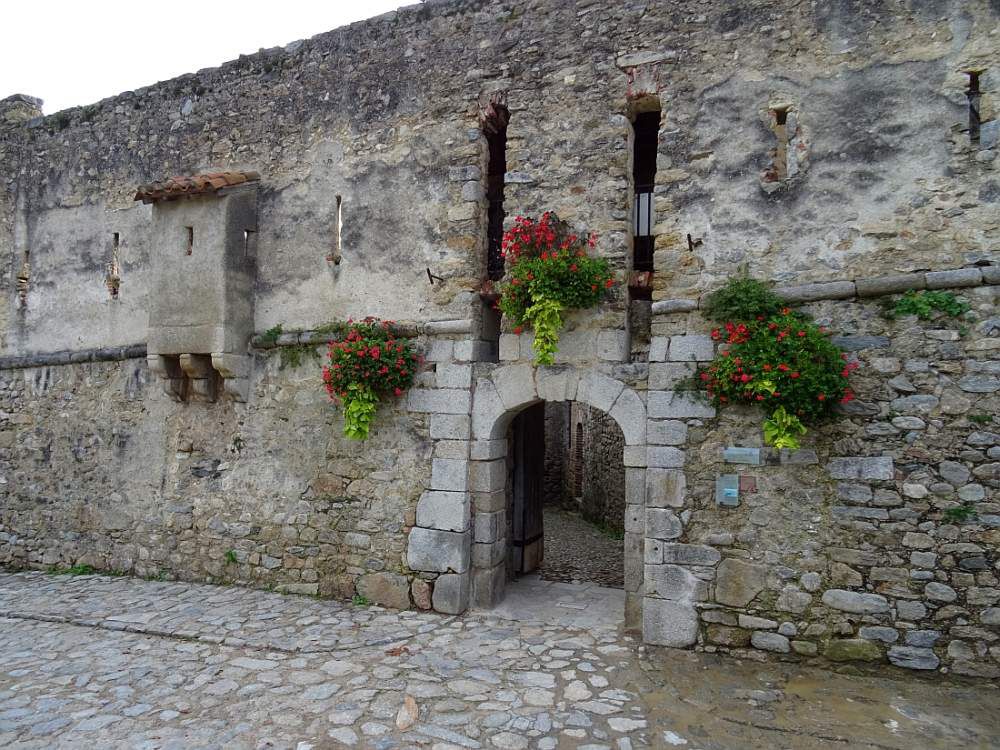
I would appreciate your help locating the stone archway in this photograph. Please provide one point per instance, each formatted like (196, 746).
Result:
(497, 400)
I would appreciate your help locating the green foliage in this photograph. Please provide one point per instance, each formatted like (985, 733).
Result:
(368, 364)
(360, 601)
(231, 556)
(982, 418)
(549, 273)
(293, 356)
(960, 513)
(75, 570)
(742, 299)
(924, 304)
(270, 336)
(545, 317)
(782, 430)
(360, 405)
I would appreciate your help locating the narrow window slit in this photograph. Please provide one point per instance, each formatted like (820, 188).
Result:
(495, 120)
(781, 134)
(190, 240)
(336, 253)
(23, 279)
(974, 95)
(113, 279)
(646, 126)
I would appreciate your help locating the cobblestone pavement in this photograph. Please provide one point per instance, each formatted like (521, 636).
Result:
(577, 551)
(98, 662)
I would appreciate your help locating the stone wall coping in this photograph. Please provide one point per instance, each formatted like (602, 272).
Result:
(876, 286)
(48, 359)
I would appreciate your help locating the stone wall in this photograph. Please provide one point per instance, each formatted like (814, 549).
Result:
(825, 148)
(845, 548)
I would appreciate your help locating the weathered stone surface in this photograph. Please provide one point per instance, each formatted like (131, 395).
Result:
(669, 623)
(663, 524)
(737, 583)
(673, 582)
(451, 593)
(677, 405)
(599, 391)
(666, 432)
(852, 649)
(447, 511)
(910, 657)
(770, 641)
(691, 348)
(690, 554)
(854, 601)
(388, 589)
(439, 401)
(665, 488)
(861, 467)
(438, 551)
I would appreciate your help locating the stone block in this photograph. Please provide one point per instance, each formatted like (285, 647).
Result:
(451, 375)
(690, 554)
(658, 347)
(665, 488)
(910, 657)
(450, 426)
(770, 642)
(489, 527)
(599, 391)
(629, 412)
(880, 285)
(691, 348)
(485, 450)
(852, 649)
(449, 474)
(487, 409)
(489, 554)
(665, 376)
(385, 589)
(488, 585)
(858, 343)
(451, 449)
(475, 350)
(728, 636)
(669, 623)
(439, 400)
(487, 502)
(487, 476)
(954, 279)
(437, 551)
(664, 457)
(446, 511)
(510, 347)
(451, 593)
(557, 383)
(612, 345)
(678, 405)
(811, 292)
(420, 590)
(922, 403)
(663, 524)
(634, 545)
(674, 582)
(666, 432)
(668, 306)
(635, 519)
(737, 582)
(861, 467)
(634, 455)
(635, 486)
(515, 384)
(878, 633)
(440, 350)
(855, 602)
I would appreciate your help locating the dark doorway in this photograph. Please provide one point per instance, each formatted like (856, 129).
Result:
(527, 489)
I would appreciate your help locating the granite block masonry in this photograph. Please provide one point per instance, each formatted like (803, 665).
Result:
(878, 540)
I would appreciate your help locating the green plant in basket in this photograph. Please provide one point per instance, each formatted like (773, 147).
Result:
(367, 365)
(549, 274)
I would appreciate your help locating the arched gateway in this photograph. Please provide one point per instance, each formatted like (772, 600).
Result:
(461, 530)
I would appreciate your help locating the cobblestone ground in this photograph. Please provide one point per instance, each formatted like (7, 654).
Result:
(97, 662)
(576, 550)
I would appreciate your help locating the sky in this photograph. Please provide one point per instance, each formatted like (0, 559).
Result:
(74, 53)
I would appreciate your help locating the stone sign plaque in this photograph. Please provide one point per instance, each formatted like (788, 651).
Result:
(727, 490)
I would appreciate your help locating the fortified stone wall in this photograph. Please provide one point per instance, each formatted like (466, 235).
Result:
(828, 143)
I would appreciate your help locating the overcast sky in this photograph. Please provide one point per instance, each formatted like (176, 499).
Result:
(76, 53)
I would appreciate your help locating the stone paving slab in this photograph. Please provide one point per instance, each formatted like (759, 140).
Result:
(106, 662)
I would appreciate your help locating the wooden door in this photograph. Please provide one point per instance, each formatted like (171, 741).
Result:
(528, 485)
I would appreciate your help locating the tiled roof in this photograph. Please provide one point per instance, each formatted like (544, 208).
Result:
(199, 184)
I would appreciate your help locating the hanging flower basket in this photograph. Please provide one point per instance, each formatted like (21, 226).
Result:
(369, 364)
(549, 274)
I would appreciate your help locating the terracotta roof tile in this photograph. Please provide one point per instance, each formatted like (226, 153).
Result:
(199, 184)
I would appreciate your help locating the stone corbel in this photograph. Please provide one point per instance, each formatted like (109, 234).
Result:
(235, 372)
(168, 370)
(198, 368)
